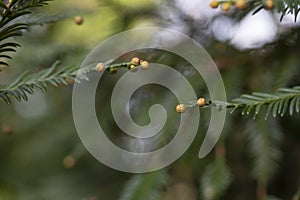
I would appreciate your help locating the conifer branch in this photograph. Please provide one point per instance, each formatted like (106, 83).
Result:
(26, 83)
(54, 76)
(9, 25)
(278, 103)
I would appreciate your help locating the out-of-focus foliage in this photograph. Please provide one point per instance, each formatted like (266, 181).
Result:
(144, 186)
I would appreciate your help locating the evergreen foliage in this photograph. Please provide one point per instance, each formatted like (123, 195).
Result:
(285, 100)
(26, 83)
(9, 27)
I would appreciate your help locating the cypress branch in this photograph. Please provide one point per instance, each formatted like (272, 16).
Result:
(24, 85)
(9, 25)
(279, 103)
(284, 100)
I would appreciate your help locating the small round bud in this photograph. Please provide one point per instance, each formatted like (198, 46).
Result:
(144, 64)
(135, 61)
(214, 4)
(78, 20)
(226, 6)
(269, 4)
(69, 162)
(9, 3)
(201, 102)
(7, 130)
(70, 81)
(112, 70)
(180, 108)
(241, 4)
(133, 68)
(100, 67)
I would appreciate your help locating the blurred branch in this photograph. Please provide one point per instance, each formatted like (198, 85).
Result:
(145, 186)
(39, 19)
(216, 177)
(264, 144)
(297, 195)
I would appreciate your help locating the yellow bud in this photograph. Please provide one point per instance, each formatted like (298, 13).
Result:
(180, 108)
(214, 4)
(226, 6)
(144, 64)
(269, 4)
(241, 4)
(132, 68)
(100, 67)
(78, 20)
(135, 61)
(112, 70)
(201, 102)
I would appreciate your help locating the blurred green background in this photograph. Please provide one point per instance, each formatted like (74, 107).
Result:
(42, 157)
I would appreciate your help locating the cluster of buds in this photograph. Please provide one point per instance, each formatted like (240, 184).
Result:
(240, 4)
(132, 66)
(135, 62)
(181, 108)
